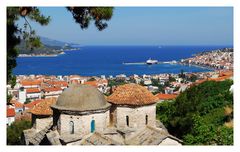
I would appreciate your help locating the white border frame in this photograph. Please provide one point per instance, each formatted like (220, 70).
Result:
(151, 3)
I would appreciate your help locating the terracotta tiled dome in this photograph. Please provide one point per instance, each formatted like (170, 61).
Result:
(132, 94)
(81, 98)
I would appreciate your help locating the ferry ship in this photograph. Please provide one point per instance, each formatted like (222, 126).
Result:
(150, 61)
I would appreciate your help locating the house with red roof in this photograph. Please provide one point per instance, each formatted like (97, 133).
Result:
(61, 84)
(163, 97)
(52, 92)
(101, 84)
(10, 115)
(33, 93)
(31, 83)
(32, 104)
(17, 105)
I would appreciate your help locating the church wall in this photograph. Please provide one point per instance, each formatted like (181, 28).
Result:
(169, 141)
(82, 123)
(41, 123)
(137, 116)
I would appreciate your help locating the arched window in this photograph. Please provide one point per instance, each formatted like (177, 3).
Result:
(146, 119)
(127, 121)
(71, 127)
(92, 126)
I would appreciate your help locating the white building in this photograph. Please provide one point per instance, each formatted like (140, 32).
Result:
(52, 92)
(22, 95)
(33, 93)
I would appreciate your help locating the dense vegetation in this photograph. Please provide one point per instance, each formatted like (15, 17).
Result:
(201, 115)
(43, 49)
(14, 132)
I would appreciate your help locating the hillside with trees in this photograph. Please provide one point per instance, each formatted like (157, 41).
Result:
(43, 49)
(202, 115)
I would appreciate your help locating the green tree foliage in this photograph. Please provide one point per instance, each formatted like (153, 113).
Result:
(14, 132)
(182, 75)
(155, 82)
(207, 133)
(192, 78)
(171, 79)
(116, 82)
(92, 79)
(84, 15)
(27, 101)
(198, 115)
(9, 97)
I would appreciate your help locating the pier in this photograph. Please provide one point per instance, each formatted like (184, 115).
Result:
(144, 63)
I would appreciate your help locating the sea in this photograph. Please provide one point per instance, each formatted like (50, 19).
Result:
(108, 60)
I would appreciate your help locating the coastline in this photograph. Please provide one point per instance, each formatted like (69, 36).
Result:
(77, 63)
(200, 66)
(41, 55)
(48, 55)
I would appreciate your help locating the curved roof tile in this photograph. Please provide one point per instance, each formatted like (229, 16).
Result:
(132, 94)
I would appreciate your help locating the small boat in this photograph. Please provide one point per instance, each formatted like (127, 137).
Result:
(150, 61)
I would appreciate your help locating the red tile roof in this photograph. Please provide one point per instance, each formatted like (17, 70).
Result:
(30, 82)
(33, 103)
(17, 104)
(33, 90)
(132, 94)
(11, 112)
(43, 108)
(226, 73)
(58, 83)
(166, 96)
(51, 89)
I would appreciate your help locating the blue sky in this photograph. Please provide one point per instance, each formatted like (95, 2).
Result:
(145, 26)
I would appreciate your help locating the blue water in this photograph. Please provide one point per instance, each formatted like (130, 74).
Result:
(107, 60)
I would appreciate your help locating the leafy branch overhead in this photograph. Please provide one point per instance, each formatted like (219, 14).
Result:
(84, 15)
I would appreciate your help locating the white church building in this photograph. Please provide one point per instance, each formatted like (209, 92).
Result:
(82, 115)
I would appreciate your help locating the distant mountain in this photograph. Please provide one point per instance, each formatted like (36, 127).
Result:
(51, 42)
(49, 47)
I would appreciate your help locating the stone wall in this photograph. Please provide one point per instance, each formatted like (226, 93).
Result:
(41, 123)
(82, 123)
(137, 116)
